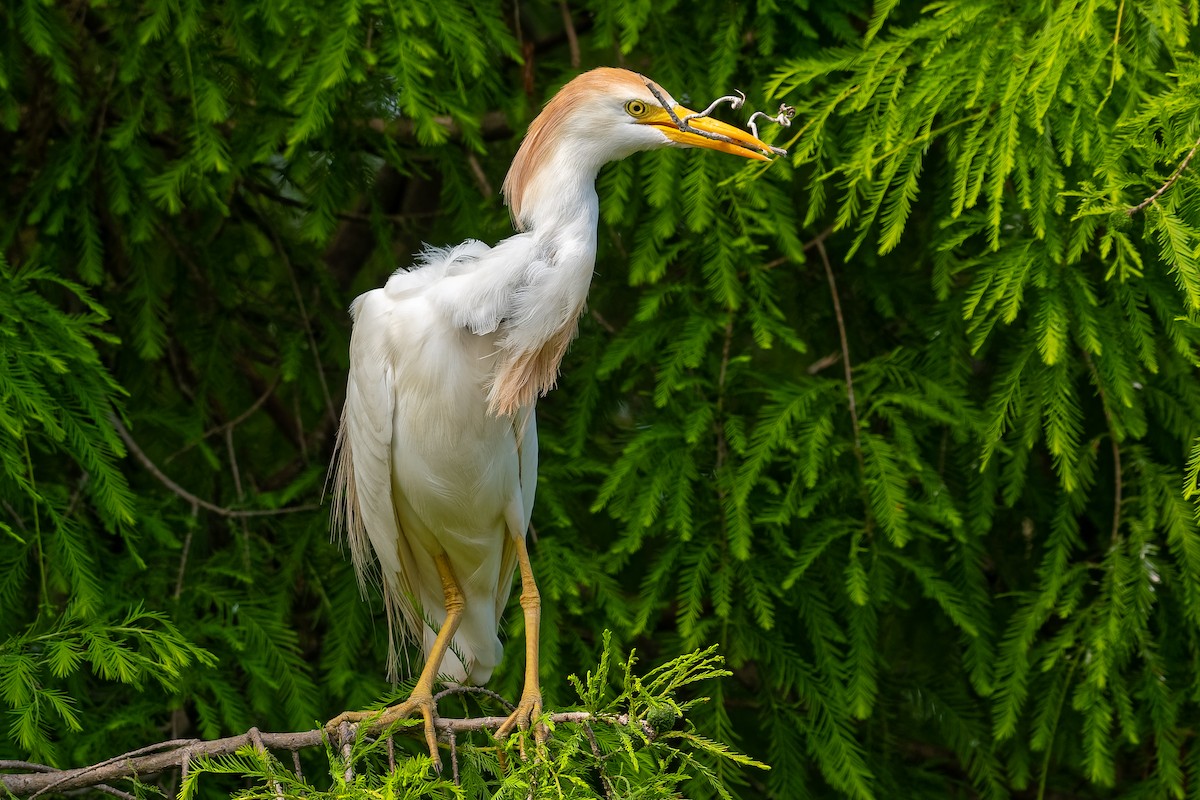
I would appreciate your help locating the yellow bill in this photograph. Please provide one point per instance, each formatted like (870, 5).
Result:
(735, 140)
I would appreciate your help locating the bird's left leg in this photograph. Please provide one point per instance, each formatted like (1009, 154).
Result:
(421, 698)
(530, 706)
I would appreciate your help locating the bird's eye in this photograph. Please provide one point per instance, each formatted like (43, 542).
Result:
(636, 108)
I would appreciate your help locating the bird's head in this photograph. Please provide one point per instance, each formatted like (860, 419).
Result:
(605, 115)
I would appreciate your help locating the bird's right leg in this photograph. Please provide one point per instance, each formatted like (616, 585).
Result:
(421, 698)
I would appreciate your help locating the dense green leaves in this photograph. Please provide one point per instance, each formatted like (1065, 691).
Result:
(908, 423)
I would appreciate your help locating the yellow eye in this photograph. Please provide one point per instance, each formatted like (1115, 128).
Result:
(636, 108)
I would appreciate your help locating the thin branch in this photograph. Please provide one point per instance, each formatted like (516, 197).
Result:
(823, 362)
(601, 321)
(312, 339)
(572, 37)
(683, 125)
(809, 245)
(591, 737)
(719, 421)
(195, 501)
(1171, 180)
(179, 753)
(233, 423)
(453, 690)
(1116, 62)
(31, 766)
(183, 556)
(345, 216)
(481, 178)
(256, 738)
(12, 512)
(145, 752)
(1116, 446)
(846, 365)
(233, 464)
(492, 125)
(346, 737)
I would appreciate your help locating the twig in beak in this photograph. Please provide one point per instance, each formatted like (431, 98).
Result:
(683, 125)
(784, 118)
(734, 102)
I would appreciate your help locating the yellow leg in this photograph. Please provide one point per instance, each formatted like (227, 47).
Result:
(421, 698)
(530, 706)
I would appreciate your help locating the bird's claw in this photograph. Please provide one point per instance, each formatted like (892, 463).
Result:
(378, 720)
(527, 714)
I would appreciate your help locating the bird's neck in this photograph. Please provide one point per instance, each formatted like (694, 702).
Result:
(558, 200)
(559, 211)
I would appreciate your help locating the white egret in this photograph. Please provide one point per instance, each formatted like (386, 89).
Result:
(437, 458)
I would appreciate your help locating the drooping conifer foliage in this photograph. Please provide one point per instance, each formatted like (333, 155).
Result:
(908, 424)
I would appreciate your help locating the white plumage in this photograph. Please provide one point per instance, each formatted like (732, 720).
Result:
(431, 468)
(437, 460)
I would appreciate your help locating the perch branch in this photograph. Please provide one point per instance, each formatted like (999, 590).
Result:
(36, 779)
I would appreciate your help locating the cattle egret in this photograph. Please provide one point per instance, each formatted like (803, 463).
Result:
(437, 452)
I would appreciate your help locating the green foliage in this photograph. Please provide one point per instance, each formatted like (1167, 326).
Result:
(908, 423)
(638, 743)
(35, 667)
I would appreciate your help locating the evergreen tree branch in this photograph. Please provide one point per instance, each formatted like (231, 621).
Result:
(1170, 181)
(198, 502)
(38, 779)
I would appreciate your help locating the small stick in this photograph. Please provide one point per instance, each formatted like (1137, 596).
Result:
(591, 737)
(475, 690)
(1171, 180)
(344, 736)
(454, 756)
(296, 764)
(256, 739)
(391, 748)
(784, 118)
(686, 128)
(734, 102)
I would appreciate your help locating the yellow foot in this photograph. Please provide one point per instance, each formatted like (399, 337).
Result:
(378, 720)
(526, 712)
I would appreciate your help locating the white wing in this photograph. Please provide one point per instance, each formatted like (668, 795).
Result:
(424, 467)
(363, 502)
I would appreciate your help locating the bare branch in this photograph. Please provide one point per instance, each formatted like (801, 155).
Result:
(36, 779)
(846, 365)
(734, 102)
(256, 738)
(683, 125)
(308, 329)
(604, 781)
(233, 423)
(1171, 180)
(197, 502)
(783, 118)
(499, 698)
(481, 178)
(1114, 437)
(572, 37)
